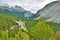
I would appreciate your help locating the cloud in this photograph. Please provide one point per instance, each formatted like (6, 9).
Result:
(30, 5)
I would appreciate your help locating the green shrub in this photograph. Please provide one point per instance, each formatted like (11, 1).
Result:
(41, 31)
(22, 35)
(4, 35)
(12, 33)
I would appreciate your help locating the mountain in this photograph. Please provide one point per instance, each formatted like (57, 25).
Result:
(50, 13)
(15, 11)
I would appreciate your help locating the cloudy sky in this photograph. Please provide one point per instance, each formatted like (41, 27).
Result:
(30, 5)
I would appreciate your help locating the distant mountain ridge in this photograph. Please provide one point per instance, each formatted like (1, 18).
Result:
(50, 13)
(16, 11)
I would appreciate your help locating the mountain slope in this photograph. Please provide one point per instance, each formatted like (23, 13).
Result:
(50, 13)
(15, 11)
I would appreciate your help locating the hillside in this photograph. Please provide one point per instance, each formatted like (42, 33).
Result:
(15, 11)
(50, 13)
(6, 21)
